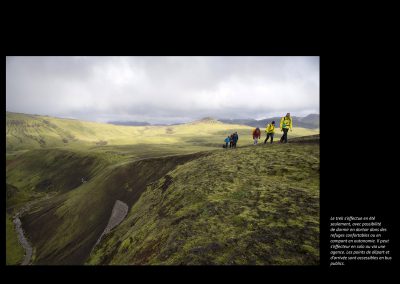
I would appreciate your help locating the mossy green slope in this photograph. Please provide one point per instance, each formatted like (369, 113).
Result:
(14, 251)
(64, 227)
(34, 173)
(255, 205)
(44, 174)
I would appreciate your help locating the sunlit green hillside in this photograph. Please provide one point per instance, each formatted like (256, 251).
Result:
(30, 131)
(248, 206)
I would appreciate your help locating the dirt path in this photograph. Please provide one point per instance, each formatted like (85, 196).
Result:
(118, 214)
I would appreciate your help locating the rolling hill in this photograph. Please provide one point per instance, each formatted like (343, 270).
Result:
(310, 121)
(35, 132)
(189, 201)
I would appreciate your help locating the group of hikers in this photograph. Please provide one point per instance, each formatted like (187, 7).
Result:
(231, 140)
(285, 125)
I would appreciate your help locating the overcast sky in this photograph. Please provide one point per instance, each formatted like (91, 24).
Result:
(162, 89)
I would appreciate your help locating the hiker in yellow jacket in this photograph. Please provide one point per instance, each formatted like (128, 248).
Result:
(270, 130)
(285, 125)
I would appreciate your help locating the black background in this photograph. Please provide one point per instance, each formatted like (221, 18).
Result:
(358, 103)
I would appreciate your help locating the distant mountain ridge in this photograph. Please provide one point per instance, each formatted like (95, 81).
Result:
(206, 120)
(310, 121)
(130, 123)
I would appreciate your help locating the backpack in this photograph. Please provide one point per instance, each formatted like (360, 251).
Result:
(284, 124)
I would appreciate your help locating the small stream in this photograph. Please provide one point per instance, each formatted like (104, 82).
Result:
(21, 236)
(20, 232)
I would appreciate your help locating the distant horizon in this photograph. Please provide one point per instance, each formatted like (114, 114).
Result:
(155, 123)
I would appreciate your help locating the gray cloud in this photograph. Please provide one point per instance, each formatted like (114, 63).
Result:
(162, 89)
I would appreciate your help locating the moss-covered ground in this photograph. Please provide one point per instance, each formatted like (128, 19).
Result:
(255, 206)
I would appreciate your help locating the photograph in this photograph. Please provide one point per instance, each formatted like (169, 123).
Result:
(163, 160)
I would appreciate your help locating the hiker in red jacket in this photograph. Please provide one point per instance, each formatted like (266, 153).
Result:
(256, 135)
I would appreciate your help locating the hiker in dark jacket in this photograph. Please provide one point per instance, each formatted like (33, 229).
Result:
(231, 144)
(235, 139)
